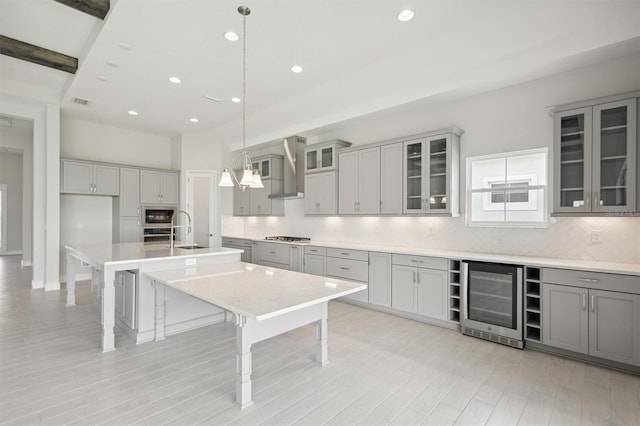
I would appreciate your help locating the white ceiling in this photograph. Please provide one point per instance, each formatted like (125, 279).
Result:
(357, 57)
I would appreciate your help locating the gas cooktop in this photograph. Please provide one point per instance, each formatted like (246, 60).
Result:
(289, 239)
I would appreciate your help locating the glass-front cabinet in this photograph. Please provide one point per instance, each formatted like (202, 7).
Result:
(323, 157)
(595, 159)
(431, 175)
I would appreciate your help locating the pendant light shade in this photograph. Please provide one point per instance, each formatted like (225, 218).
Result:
(247, 178)
(225, 179)
(257, 181)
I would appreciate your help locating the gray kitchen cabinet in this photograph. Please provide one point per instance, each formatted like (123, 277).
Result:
(321, 157)
(391, 179)
(241, 201)
(279, 255)
(127, 230)
(320, 194)
(239, 243)
(159, 187)
(420, 289)
(315, 260)
(125, 298)
(595, 165)
(380, 279)
(260, 204)
(80, 177)
(129, 198)
(352, 265)
(601, 323)
(359, 181)
(431, 174)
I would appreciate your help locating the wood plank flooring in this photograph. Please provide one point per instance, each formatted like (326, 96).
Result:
(383, 370)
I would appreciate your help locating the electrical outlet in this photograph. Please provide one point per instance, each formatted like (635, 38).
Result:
(596, 236)
(190, 262)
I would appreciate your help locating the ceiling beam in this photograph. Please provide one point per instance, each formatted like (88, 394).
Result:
(97, 8)
(38, 55)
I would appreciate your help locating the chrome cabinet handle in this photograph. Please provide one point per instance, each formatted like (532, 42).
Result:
(416, 261)
(272, 252)
(414, 276)
(344, 269)
(584, 301)
(418, 275)
(345, 254)
(589, 280)
(596, 199)
(593, 303)
(380, 204)
(587, 199)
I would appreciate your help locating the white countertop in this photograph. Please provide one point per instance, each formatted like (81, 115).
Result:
(139, 252)
(543, 262)
(258, 292)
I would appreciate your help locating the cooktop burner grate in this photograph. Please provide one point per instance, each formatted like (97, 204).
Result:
(288, 239)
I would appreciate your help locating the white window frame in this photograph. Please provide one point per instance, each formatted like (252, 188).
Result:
(532, 187)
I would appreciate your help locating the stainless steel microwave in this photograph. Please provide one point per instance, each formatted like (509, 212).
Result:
(157, 216)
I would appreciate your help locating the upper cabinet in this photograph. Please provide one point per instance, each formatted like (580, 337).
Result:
(322, 157)
(359, 182)
(320, 181)
(258, 201)
(595, 161)
(158, 187)
(80, 177)
(431, 174)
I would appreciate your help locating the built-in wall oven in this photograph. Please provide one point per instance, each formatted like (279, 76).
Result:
(156, 224)
(492, 302)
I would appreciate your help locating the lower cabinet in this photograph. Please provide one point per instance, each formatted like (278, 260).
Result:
(605, 324)
(380, 279)
(420, 290)
(351, 265)
(315, 264)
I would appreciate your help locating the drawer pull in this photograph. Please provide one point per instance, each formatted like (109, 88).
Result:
(589, 280)
(313, 250)
(593, 303)
(345, 254)
(344, 269)
(416, 261)
(584, 301)
(272, 252)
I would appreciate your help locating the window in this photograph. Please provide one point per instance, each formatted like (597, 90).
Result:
(508, 189)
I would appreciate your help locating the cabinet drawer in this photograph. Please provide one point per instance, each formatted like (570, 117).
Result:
(274, 253)
(236, 242)
(595, 280)
(348, 269)
(321, 251)
(419, 261)
(348, 254)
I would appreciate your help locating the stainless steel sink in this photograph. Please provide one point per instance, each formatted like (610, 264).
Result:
(190, 247)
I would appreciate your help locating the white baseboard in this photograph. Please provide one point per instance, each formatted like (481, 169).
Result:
(79, 277)
(52, 286)
(37, 284)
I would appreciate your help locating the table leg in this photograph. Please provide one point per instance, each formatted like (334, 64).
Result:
(159, 326)
(243, 369)
(71, 280)
(108, 310)
(322, 331)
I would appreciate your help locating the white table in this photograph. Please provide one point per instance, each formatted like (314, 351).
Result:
(107, 259)
(264, 302)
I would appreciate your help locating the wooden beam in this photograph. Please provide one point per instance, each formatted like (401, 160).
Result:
(38, 55)
(97, 8)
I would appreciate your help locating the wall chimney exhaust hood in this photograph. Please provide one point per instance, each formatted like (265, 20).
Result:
(293, 168)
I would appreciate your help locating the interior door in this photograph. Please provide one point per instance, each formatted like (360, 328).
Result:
(201, 206)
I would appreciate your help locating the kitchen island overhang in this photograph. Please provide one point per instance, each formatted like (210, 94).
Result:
(108, 259)
(264, 301)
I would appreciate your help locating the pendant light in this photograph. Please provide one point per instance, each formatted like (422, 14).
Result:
(250, 178)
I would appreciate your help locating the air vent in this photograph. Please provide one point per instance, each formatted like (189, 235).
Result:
(211, 99)
(80, 101)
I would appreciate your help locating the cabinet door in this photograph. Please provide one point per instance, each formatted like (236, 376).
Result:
(380, 279)
(327, 191)
(260, 201)
(241, 201)
(149, 187)
(403, 288)
(169, 188)
(129, 229)
(129, 305)
(368, 170)
(565, 318)
(437, 177)
(572, 161)
(614, 326)
(106, 180)
(77, 178)
(315, 264)
(432, 293)
(391, 179)
(311, 194)
(614, 156)
(119, 294)
(129, 192)
(348, 183)
(413, 172)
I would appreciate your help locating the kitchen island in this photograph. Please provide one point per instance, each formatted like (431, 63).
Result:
(108, 259)
(264, 301)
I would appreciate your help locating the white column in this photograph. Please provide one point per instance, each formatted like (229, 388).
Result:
(322, 333)
(71, 280)
(243, 350)
(108, 310)
(159, 324)
(52, 192)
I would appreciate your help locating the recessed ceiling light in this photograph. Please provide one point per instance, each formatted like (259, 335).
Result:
(193, 120)
(175, 80)
(101, 78)
(296, 69)
(125, 46)
(113, 64)
(132, 112)
(406, 15)
(236, 100)
(231, 36)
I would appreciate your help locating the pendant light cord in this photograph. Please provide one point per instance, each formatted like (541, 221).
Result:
(244, 82)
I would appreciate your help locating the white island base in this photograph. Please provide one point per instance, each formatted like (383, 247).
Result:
(265, 302)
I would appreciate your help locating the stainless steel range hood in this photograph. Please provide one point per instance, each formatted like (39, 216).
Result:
(293, 168)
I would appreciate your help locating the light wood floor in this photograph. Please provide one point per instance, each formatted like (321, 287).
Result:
(383, 370)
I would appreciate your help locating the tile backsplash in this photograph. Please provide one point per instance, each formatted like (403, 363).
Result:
(568, 238)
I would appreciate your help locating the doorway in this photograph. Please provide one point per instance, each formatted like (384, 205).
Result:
(200, 205)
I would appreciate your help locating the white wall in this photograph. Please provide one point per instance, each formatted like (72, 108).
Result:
(509, 119)
(11, 175)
